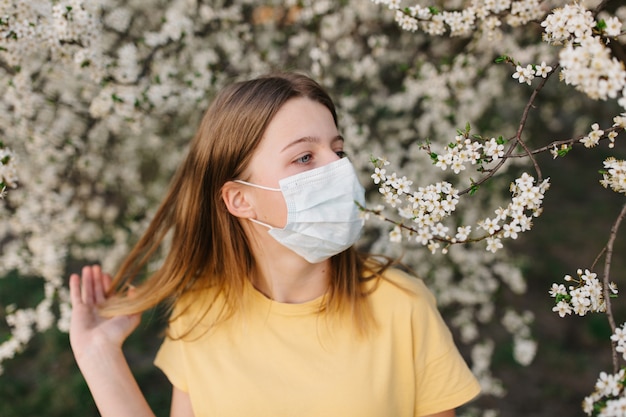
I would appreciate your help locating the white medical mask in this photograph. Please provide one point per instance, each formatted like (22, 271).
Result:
(323, 218)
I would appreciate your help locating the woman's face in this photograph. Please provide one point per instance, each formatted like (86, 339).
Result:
(301, 136)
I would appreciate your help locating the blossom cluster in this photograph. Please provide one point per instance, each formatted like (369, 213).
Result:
(24, 322)
(463, 150)
(609, 397)
(526, 201)
(586, 60)
(619, 338)
(8, 171)
(592, 139)
(583, 295)
(429, 206)
(528, 73)
(524, 347)
(68, 29)
(426, 207)
(478, 15)
(614, 175)
(481, 358)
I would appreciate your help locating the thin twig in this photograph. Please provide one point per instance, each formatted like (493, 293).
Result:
(606, 280)
(517, 139)
(568, 142)
(595, 261)
(600, 7)
(522, 123)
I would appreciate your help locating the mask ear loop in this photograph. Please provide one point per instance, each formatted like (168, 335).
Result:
(261, 223)
(262, 187)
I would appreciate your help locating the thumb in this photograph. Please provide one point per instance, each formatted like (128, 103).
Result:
(131, 292)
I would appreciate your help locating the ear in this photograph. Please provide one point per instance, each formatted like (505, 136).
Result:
(236, 200)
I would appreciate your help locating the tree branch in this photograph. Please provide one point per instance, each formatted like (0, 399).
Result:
(570, 141)
(517, 139)
(606, 280)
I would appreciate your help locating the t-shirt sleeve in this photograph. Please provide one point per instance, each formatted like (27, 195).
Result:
(443, 379)
(447, 384)
(171, 358)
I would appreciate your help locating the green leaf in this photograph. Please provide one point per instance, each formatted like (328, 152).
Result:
(562, 297)
(601, 25)
(434, 156)
(500, 140)
(501, 59)
(563, 151)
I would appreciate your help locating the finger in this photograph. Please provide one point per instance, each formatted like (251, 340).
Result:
(106, 283)
(87, 287)
(98, 286)
(132, 291)
(75, 296)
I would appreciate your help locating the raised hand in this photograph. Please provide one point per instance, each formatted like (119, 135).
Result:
(89, 331)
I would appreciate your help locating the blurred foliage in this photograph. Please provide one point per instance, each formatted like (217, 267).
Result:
(45, 381)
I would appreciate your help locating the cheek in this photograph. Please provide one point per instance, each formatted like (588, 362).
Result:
(273, 210)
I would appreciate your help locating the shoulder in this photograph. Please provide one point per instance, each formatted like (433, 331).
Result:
(195, 312)
(404, 306)
(399, 297)
(401, 287)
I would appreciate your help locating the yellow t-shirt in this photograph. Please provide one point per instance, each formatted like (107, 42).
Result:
(279, 359)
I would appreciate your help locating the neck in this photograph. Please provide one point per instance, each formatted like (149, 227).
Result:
(291, 282)
(281, 274)
(284, 276)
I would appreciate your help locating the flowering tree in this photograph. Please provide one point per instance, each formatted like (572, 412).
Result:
(584, 60)
(441, 104)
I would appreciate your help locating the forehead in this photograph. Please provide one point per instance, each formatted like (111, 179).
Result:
(298, 118)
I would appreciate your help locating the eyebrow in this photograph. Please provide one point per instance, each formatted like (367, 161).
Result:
(311, 139)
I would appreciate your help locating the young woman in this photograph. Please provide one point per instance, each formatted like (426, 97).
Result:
(274, 313)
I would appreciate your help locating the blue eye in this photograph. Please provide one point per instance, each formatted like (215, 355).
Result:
(304, 159)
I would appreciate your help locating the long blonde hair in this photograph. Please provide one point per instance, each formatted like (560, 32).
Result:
(208, 246)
